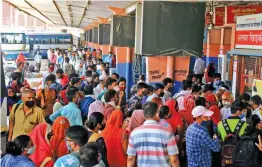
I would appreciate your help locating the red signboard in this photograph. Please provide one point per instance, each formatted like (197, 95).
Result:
(219, 16)
(252, 37)
(233, 11)
(208, 18)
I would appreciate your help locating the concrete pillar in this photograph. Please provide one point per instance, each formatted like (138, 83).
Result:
(138, 29)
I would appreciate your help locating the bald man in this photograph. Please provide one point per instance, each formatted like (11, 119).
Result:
(24, 117)
(227, 100)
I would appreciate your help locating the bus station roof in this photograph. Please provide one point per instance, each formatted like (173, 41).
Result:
(69, 13)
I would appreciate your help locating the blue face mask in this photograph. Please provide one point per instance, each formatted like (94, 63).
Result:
(218, 82)
(206, 123)
(31, 150)
(52, 86)
(243, 115)
(68, 146)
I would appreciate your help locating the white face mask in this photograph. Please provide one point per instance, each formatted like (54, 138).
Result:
(226, 104)
(89, 79)
(31, 150)
(116, 88)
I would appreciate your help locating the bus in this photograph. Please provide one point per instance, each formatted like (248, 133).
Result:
(12, 44)
(45, 41)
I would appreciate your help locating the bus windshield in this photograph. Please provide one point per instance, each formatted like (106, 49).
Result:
(12, 38)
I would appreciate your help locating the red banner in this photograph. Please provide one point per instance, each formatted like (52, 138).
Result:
(233, 11)
(247, 39)
(219, 16)
(208, 18)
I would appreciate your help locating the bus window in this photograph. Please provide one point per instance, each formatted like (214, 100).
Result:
(18, 38)
(53, 40)
(10, 38)
(3, 38)
(67, 40)
(46, 41)
(31, 40)
(27, 39)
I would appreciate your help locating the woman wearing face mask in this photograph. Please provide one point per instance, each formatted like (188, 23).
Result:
(11, 99)
(18, 151)
(96, 123)
(43, 156)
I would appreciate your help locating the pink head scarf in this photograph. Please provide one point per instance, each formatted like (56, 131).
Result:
(96, 106)
(137, 119)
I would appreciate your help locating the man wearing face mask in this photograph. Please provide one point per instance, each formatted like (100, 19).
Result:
(76, 137)
(238, 110)
(227, 100)
(158, 92)
(218, 83)
(24, 117)
(198, 141)
(255, 102)
(152, 138)
(71, 110)
(167, 82)
(113, 102)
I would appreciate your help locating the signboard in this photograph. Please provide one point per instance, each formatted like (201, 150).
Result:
(249, 32)
(219, 16)
(156, 67)
(233, 11)
(181, 68)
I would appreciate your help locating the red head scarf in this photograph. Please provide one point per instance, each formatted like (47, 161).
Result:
(39, 138)
(57, 142)
(113, 135)
(175, 119)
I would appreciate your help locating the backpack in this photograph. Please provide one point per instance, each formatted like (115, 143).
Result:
(246, 152)
(84, 106)
(230, 142)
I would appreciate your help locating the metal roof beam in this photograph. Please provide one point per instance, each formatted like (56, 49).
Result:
(57, 8)
(83, 13)
(39, 11)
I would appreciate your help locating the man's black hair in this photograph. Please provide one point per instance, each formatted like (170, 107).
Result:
(200, 101)
(186, 84)
(50, 77)
(141, 85)
(75, 80)
(67, 60)
(237, 106)
(77, 134)
(88, 73)
(121, 79)
(117, 76)
(59, 71)
(163, 111)
(256, 99)
(94, 50)
(88, 90)
(89, 154)
(158, 86)
(94, 119)
(208, 87)
(110, 81)
(246, 97)
(109, 95)
(217, 75)
(196, 88)
(71, 93)
(150, 109)
(167, 81)
(72, 76)
(16, 75)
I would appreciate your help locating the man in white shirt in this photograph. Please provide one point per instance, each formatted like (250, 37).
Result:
(199, 68)
(38, 59)
(255, 101)
(187, 90)
(227, 100)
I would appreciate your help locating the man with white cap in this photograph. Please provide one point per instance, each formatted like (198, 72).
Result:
(101, 86)
(198, 141)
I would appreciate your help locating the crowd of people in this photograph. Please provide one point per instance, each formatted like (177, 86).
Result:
(80, 115)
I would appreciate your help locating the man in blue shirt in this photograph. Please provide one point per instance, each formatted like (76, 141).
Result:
(71, 110)
(108, 58)
(76, 137)
(198, 141)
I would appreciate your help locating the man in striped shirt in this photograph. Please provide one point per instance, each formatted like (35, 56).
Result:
(153, 145)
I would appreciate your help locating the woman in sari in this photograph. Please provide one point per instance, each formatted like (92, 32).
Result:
(175, 121)
(114, 137)
(137, 119)
(43, 156)
(96, 106)
(57, 142)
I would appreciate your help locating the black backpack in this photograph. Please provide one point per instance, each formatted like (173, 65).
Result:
(246, 153)
(230, 142)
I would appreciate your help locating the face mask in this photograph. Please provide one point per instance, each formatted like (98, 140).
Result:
(102, 126)
(161, 94)
(29, 104)
(226, 104)
(68, 146)
(31, 150)
(116, 88)
(243, 115)
(52, 86)
(89, 79)
(206, 123)
(218, 82)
